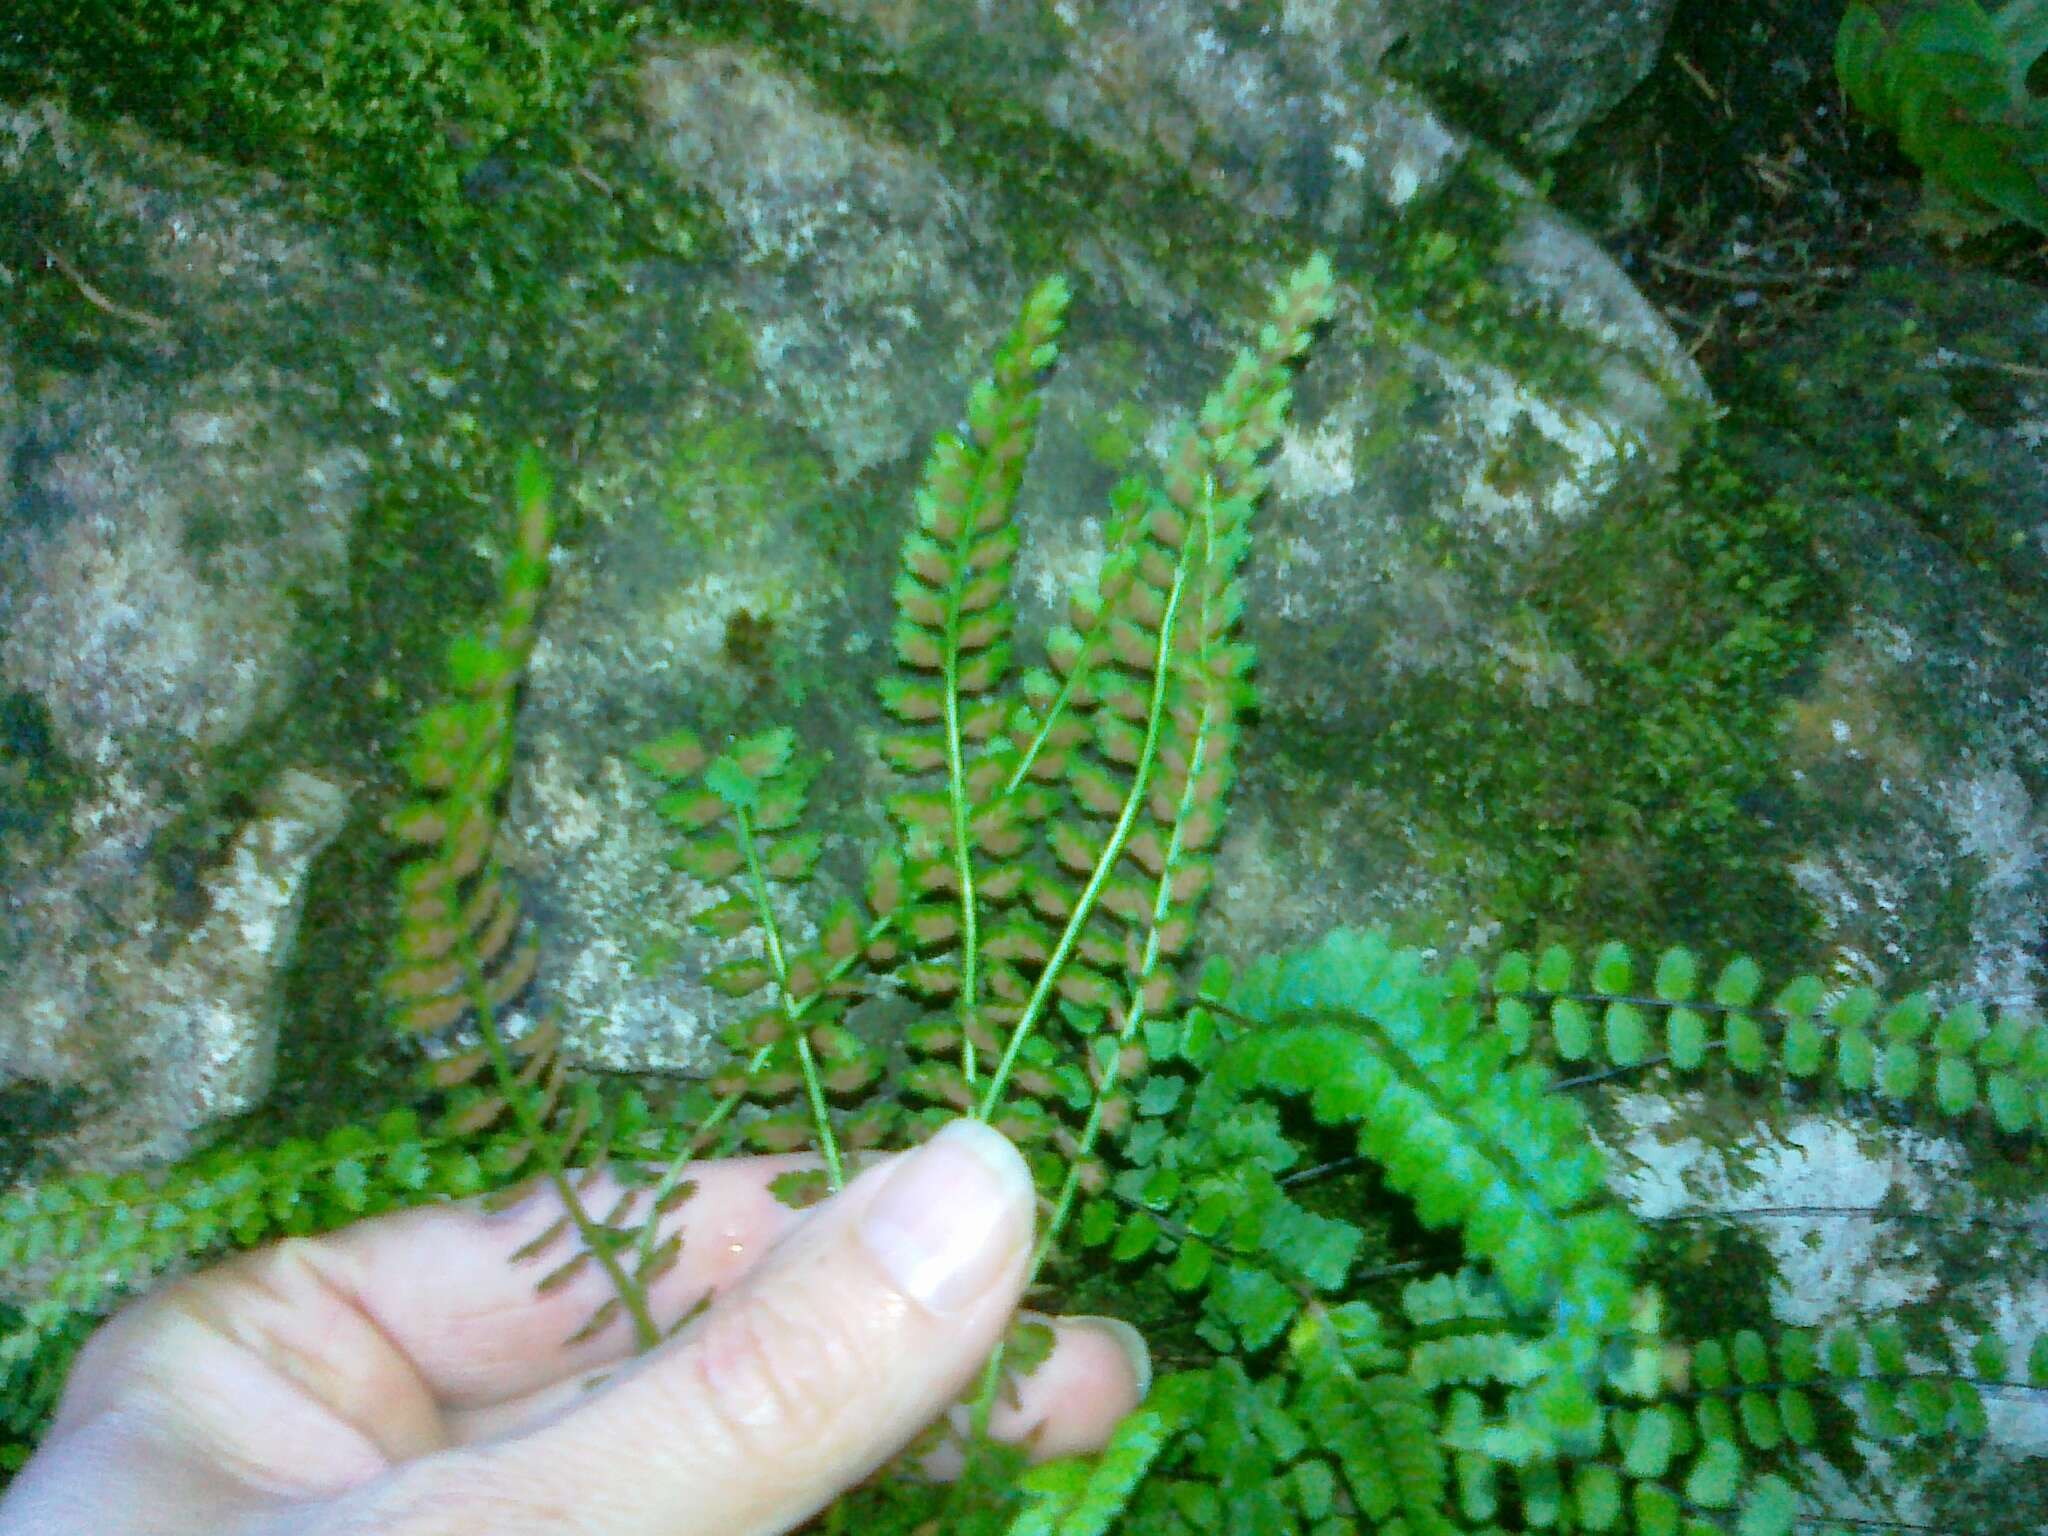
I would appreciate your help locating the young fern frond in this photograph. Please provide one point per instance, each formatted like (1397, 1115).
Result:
(796, 1051)
(1080, 1497)
(458, 954)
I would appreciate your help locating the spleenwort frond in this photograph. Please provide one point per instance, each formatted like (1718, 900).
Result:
(737, 812)
(98, 1236)
(1541, 1378)
(1362, 1406)
(1083, 1497)
(1164, 745)
(458, 954)
(952, 632)
(458, 949)
(1356, 1029)
(1135, 743)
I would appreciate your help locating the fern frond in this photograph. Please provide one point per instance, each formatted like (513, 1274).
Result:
(1954, 1063)
(954, 621)
(455, 948)
(96, 1237)
(1372, 1041)
(457, 954)
(796, 1047)
(1081, 1496)
(1372, 1416)
(1153, 680)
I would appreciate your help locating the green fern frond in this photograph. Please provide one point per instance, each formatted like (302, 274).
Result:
(457, 951)
(795, 1055)
(1365, 1408)
(1954, 1064)
(1152, 683)
(952, 633)
(1134, 742)
(1372, 1041)
(97, 1237)
(1083, 1496)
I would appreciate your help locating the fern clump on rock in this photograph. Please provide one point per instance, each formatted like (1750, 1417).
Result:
(1055, 835)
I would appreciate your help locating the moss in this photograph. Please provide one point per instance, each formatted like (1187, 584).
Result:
(727, 478)
(402, 102)
(722, 347)
(731, 483)
(1639, 814)
(54, 257)
(31, 1113)
(1430, 273)
(1431, 279)
(1116, 435)
(1048, 190)
(38, 782)
(1885, 420)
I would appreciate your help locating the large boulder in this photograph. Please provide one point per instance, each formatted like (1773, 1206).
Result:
(1910, 419)
(869, 294)
(1276, 102)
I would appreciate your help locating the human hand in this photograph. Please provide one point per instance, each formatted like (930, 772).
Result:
(401, 1378)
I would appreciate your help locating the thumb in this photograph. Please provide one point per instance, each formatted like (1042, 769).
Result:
(862, 1326)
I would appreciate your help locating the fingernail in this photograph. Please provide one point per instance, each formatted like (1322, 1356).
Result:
(952, 1217)
(1130, 1341)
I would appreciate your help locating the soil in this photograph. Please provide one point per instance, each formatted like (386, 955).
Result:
(1742, 193)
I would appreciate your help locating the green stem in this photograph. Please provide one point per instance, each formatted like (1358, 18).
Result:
(956, 773)
(977, 1419)
(631, 1297)
(992, 1097)
(828, 1145)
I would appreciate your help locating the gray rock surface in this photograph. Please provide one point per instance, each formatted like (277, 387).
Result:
(1542, 71)
(869, 307)
(1911, 421)
(168, 514)
(1919, 750)
(1204, 83)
